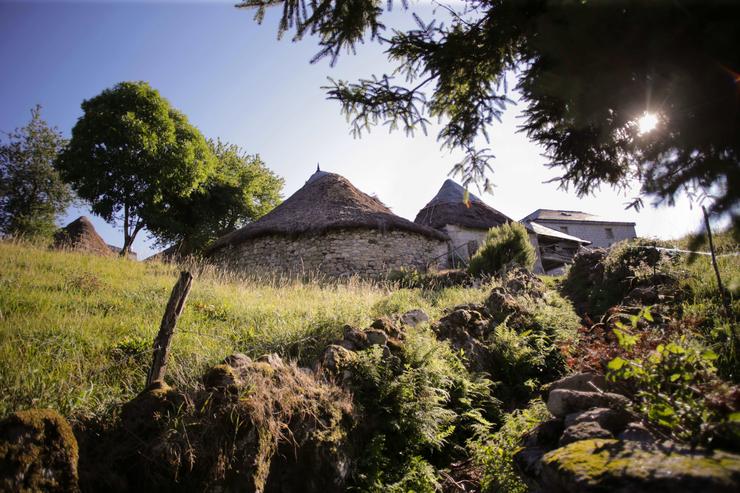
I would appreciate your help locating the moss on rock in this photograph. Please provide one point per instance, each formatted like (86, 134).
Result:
(611, 465)
(38, 452)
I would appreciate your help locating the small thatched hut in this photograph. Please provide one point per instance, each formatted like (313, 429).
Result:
(465, 223)
(80, 235)
(331, 227)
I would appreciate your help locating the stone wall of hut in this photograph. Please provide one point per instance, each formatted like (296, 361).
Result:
(363, 252)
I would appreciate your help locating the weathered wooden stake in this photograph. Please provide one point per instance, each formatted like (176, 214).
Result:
(167, 328)
(722, 292)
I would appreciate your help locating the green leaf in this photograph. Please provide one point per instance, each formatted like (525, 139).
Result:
(734, 417)
(709, 355)
(616, 364)
(675, 377)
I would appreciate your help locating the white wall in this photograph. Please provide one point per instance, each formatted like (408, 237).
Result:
(596, 233)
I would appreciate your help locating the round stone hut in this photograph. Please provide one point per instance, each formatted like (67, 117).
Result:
(330, 227)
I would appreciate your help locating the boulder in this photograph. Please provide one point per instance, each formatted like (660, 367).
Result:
(601, 465)
(222, 378)
(636, 432)
(585, 430)
(336, 358)
(238, 361)
(584, 382)
(142, 415)
(356, 339)
(376, 337)
(613, 420)
(414, 317)
(387, 325)
(562, 402)
(38, 452)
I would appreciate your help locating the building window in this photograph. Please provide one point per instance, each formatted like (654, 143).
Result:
(609, 233)
(564, 229)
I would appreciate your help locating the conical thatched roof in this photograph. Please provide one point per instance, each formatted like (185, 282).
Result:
(80, 235)
(326, 202)
(449, 207)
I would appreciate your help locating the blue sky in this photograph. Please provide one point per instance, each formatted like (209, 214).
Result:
(236, 81)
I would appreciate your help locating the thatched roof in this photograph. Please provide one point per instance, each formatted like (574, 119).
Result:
(80, 235)
(449, 207)
(326, 202)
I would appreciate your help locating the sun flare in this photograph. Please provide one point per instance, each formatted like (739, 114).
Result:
(647, 122)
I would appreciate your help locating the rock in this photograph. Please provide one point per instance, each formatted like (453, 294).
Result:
(584, 382)
(562, 402)
(386, 325)
(546, 434)
(601, 465)
(376, 337)
(636, 432)
(238, 360)
(38, 452)
(414, 317)
(356, 338)
(613, 420)
(222, 378)
(584, 431)
(337, 358)
(142, 415)
(500, 303)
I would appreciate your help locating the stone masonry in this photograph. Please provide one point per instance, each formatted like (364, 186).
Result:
(345, 252)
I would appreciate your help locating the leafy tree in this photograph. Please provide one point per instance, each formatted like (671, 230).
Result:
(132, 155)
(504, 245)
(595, 77)
(240, 190)
(32, 193)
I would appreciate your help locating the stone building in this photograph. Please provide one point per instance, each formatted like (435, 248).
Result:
(330, 227)
(467, 223)
(599, 232)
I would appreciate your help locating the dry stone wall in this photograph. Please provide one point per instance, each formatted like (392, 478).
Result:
(363, 252)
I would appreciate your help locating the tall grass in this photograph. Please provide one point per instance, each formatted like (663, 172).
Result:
(76, 330)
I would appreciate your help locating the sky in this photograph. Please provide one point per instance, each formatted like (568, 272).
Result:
(236, 81)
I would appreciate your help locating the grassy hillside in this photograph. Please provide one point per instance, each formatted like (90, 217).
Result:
(76, 330)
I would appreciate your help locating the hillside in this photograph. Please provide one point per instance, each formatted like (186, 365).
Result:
(278, 385)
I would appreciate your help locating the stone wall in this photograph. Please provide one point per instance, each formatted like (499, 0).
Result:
(363, 252)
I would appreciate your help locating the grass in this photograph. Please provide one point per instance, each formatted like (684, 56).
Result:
(76, 330)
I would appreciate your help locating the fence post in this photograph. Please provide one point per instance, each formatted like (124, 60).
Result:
(722, 292)
(167, 328)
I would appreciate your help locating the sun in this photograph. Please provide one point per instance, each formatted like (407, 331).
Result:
(647, 122)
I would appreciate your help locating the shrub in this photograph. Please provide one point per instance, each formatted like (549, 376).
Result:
(495, 453)
(676, 387)
(504, 245)
(416, 408)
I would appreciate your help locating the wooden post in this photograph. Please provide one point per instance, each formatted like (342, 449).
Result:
(167, 328)
(722, 292)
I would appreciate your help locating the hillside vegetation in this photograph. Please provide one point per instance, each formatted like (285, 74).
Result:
(313, 385)
(76, 330)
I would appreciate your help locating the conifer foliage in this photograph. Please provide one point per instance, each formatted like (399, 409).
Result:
(587, 73)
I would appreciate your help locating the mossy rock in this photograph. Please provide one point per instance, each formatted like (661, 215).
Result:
(38, 452)
(602, 465)
(145, 412)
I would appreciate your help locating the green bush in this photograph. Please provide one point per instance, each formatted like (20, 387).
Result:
(504, 245)
(417, 407)
(495, 453)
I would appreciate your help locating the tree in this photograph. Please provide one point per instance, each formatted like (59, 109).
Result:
(132, 155)
(32, 193)
(614, 91)
(239, 191)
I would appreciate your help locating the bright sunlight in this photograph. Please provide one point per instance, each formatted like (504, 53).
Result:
(647, 122)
